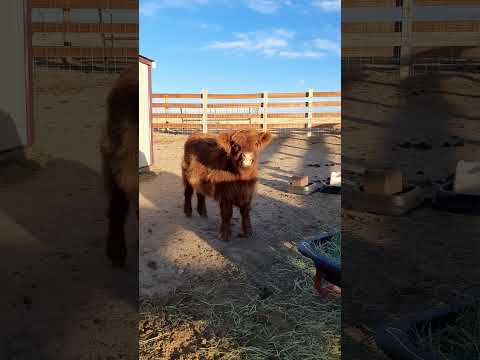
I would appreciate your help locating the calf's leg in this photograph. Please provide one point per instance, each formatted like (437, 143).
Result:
(246, 223)
(201, 205)
(187, 208)
(226, 211)
(117, 213)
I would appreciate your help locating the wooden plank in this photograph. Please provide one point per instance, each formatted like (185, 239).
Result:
(234, 126)
(446, 26)
(233, 116)
(95, 40)
(448, 51)
(176, 116)
(177, 105)
(284, 125)
(436, 39)
(235, 96)
(368, 27)
(289, 125)
(287, 104)
(332, 114)
(327, 94)
(84, 28)
(445, 2)
(177, 125)
(326, 103)
(86, 4)
(176, 96)
(373, 40)
(367, 3)
(84, 52)
(360, 51)
(281, 95)
(234, 105)
(287, 115)
(248, 96)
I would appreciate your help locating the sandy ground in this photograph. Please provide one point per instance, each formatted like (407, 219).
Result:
(395, 266)
(60, 298)
(175, 249)
(181, 257)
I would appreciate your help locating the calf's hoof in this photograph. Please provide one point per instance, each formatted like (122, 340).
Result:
(225, 235)
(187, 211)
(117, 257)
(203, 214)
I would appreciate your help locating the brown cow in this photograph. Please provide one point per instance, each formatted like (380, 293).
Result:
(119, 153)
(224, 167)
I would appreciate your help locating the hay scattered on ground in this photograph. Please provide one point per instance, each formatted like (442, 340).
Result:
(284, 319)
(331, 248)
(459, 340)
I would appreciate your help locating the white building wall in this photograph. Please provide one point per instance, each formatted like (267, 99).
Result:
(14, 121)
(145, 130)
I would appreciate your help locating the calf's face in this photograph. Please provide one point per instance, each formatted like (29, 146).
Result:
(244, 146)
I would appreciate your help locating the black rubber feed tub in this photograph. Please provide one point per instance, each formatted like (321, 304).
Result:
(396, 339)
(326, 268)
(447, 200)
(397, 204)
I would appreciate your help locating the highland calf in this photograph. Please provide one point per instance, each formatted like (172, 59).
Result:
(224, 167)
(119, 153)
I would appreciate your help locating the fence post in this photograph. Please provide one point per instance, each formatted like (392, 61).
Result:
(310, 112)
(265, 111)
(204, 111)
(406, 44)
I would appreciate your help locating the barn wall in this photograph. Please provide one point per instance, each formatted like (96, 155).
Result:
(15, 97)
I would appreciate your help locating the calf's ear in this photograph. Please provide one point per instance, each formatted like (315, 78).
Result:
(263, 140)
(224, 140)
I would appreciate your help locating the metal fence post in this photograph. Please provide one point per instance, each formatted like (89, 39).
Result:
(204, 111)
(310, 112)
(265, 111)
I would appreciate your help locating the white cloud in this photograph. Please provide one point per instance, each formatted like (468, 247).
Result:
(276, 43)
(328, 5)
(306, 54)
(266, 43)
(267, 6)
(326, 45)
(214, 27)
(229, 45)
(285, 33)
(150, 7)
(263, 6)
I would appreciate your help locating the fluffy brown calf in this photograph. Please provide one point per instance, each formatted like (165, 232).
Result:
(224, 167)
(119, 153)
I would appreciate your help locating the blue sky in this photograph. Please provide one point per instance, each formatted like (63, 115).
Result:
(242, 45)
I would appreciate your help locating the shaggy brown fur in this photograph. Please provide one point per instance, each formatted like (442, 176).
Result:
(223, 167)
(119, 152)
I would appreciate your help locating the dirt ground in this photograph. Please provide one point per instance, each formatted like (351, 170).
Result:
(60, 297)
(178, 253)
(395, 266)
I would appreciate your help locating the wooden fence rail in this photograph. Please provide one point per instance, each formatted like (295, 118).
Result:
(86, 4)
(196, 111)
